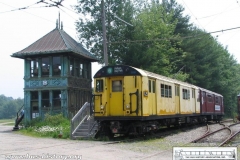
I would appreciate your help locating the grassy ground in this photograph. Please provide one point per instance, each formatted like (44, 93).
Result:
(7, 121)
(52, 126)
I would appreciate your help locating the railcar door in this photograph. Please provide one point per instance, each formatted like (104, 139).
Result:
(204, 102)
(116, 96)
(152, 97)
(177, 99)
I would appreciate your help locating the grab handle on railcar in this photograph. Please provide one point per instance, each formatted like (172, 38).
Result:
(130, 94)
(93, 96)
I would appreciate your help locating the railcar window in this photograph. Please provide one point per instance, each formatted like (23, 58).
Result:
(193, 93)
(198, 97)
(210, 99)
(186, 93)
(176, 90)
(170, 91)
(149, 86)
(153, 86)
(117, 86)
(216, 100)
(162, 90)
(99, 85)
(166, 91)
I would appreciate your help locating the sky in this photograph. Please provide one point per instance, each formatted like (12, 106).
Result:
(21, 28)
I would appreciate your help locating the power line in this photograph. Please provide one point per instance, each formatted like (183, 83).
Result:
(192, 14)
(162, 39)
(27, 7)
(216, 14)
(52, 4)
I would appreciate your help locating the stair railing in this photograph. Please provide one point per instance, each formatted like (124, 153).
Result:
(20, 114)
(91, 125)
(82, 115)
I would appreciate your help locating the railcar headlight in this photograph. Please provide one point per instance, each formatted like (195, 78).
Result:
(127, 106)
(102, 107)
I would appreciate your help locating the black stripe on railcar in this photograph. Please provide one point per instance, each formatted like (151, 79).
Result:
(119, 70)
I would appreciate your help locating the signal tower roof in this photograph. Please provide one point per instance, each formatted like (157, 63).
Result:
(55, 42)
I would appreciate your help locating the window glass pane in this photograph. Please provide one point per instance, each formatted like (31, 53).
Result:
(149, 86)
(170, 91)
(85, 70)
(153, 85)
(45, 99)
(193, 93)
(34, 68)
(210, 98)
(188, 94)
(99, 85)
(34, 104)
(166, 91)
(117, 86)
(162, 90)
(57, 99)
(176, 90)
(56, 66)
(76, 69)
(45, 67)
(198, 96)
(71, 67)
(184, 93)
(80, 70)
(217, 100)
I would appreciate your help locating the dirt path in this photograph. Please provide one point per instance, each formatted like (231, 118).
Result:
(13, 144)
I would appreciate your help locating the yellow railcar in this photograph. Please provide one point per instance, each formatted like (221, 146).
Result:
(129, 100)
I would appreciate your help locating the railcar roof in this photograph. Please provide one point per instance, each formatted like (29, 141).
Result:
(167, 79)
(120, 71)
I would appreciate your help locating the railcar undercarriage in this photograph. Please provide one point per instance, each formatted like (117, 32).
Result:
(111, 128)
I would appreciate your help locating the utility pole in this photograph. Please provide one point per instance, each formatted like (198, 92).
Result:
(104, 35)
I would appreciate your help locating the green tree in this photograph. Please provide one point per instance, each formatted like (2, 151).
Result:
(9, 106)
(89, 26)
(153, 32)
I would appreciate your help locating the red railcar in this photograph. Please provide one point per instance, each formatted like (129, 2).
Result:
(211, 104)
(238, 106)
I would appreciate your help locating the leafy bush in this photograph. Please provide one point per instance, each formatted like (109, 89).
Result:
(52, 126)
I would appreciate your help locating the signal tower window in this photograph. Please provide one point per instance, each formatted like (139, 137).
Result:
(117, 86)
(99, 85)
(34, 68)
(45, 66)
(56, 66)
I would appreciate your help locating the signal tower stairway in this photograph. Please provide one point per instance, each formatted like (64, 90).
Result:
(20, 116)
(83, 124)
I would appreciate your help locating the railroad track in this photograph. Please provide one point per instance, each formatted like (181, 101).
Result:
(231, 134)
